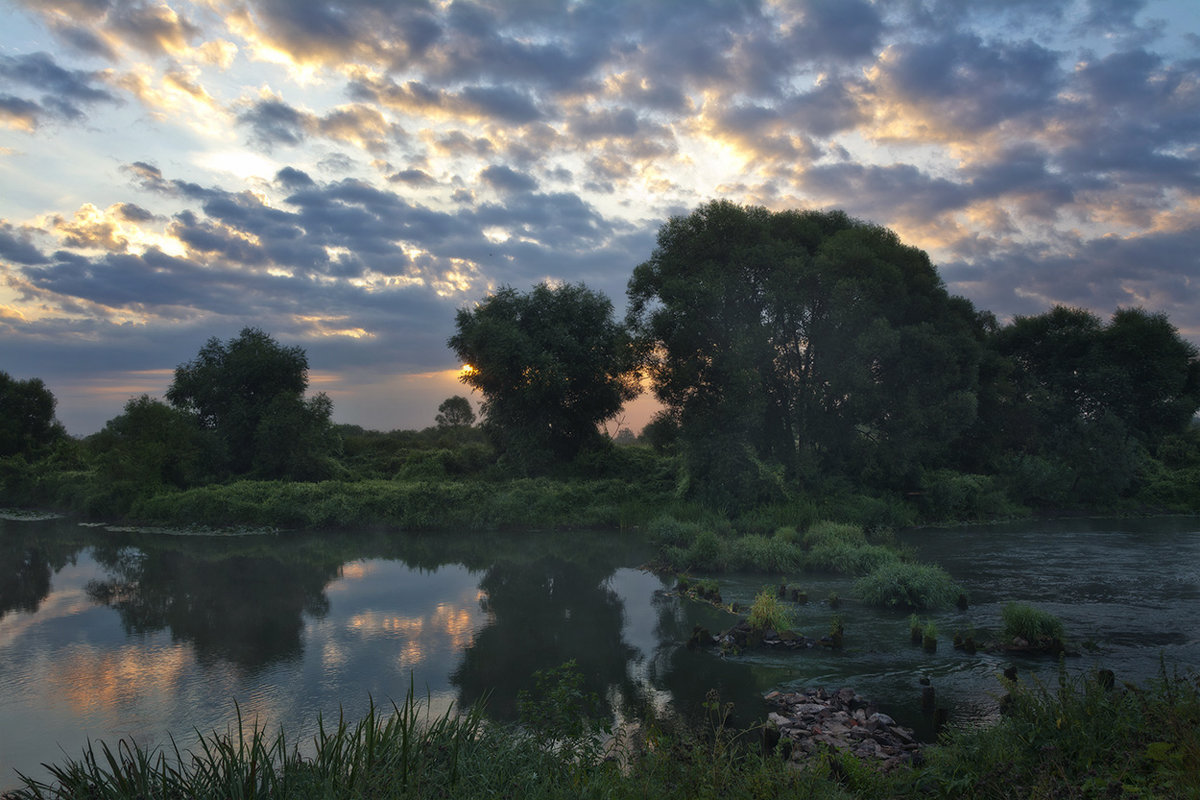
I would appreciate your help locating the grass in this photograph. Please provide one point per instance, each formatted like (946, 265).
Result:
(1031, 624)
(767, 613)
(1078, 738)
(899, 584)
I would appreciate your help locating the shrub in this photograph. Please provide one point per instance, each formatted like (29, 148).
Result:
(668, 531)
(1030, 623)
(708, 552)
(763, 554)
(844, 558)
(899, 584)
(767, 613)
(826, 532)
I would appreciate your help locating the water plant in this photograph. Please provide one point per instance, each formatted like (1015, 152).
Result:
(907, 585)
(929, 637)
(1031, 624)
(767, 613)
(914, 628)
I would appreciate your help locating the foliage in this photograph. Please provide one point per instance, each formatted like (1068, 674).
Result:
(551, 363)
(899, 584)
(455, 412)
(407, 505)
(844, 558)
(249, 393)
(1078, 739)
(824, 532)
(1029, 623)
(806, 340)
(559, 712)
(27, 423)
(1083, 402)
(768, 613)
(770, 554)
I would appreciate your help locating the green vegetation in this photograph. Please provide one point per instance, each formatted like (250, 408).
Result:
(552, 364)
(1081, 738)
(767, 613)
(1031, 624)
(905, 585)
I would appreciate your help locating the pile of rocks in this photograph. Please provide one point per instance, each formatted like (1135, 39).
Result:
(814, 720)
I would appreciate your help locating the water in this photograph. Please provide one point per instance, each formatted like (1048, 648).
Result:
(106, 633)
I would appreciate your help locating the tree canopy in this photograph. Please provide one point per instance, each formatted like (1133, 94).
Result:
(806, 340)
(27, 421)
(249, 392)
(552, 364)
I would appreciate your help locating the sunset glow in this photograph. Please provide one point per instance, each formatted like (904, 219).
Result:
(347, 175)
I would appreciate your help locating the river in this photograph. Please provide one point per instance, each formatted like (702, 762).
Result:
(109, 633)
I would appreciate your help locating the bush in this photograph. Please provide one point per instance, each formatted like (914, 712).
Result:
(826, 532)
(903, 585)
(1030, 624)
(843, 558)
(764, 554)
(767, 613)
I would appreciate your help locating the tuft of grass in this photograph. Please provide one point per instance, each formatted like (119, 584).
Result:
(899, 584)
(1030, 624)
(767, 613)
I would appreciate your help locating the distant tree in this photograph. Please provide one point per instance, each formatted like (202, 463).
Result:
(1088, 400)
(624, 436)
(455, 412)
(250, 392)
(551, 363)
(661, 432)
(27, 422)
(802, 343)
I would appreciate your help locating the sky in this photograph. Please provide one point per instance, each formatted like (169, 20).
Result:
(347, 174)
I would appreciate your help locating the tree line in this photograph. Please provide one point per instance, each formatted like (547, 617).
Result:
(796, 349)
(793, 352)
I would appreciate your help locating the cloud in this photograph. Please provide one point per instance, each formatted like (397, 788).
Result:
(105, 27)
(507, 180)
(66, 91)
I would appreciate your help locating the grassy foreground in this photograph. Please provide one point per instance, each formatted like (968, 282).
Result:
(1079, 739)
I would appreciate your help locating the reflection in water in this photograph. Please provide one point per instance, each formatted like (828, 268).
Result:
(104, 634)
(542, 614)
(244, 609)
(27, 559)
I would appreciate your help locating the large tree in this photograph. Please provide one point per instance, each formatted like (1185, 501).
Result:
(27, 422)
(249, 392)
(805, 340)
(551, 363)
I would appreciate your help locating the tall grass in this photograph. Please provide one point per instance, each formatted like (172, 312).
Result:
(767, 613)
(1029, 623)
(1079, 738)
(899, 584)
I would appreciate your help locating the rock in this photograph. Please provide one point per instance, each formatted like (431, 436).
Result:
(814, 720)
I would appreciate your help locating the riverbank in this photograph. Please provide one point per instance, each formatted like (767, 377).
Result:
(1080, 739)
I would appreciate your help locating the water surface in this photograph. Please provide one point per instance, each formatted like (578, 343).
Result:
(107, 633)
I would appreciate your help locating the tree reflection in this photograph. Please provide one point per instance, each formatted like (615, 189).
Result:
(243, 608)
(544, 614)
(28, 559)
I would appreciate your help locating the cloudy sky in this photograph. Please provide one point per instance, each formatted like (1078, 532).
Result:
(345, 174)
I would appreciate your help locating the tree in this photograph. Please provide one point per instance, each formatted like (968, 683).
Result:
(455, 412)
(1089, 399)
(802, 341)
(249, 391)
(27, 422)
(552, 364)
(151, 444)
